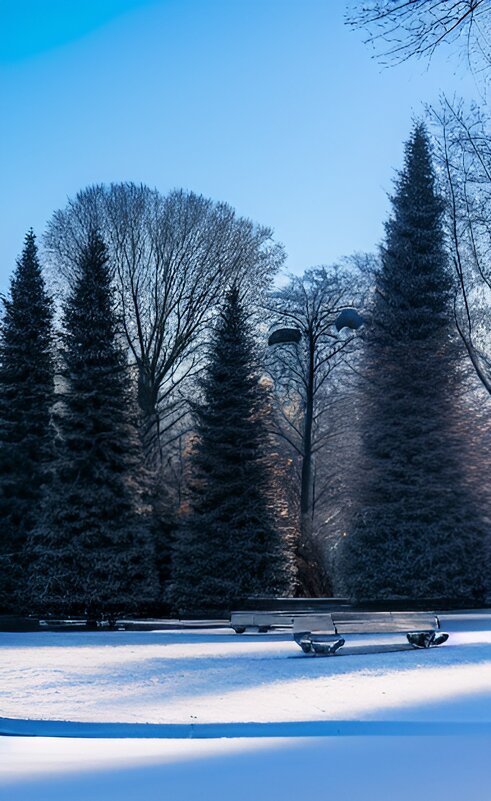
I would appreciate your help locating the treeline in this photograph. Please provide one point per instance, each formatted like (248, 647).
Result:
(177, 435)
(94, 520)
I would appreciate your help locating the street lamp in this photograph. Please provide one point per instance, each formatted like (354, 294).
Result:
(347, 318)
(285, 336)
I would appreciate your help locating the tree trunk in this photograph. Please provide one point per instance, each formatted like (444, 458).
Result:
(150, 422)
(309, 569)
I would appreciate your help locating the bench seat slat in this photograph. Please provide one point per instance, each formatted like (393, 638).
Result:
(366, 625)
(337, 622)
(353, 628)
(378, 616)
(352, 622)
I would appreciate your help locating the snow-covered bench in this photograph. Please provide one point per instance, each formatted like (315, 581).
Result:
(324, 633)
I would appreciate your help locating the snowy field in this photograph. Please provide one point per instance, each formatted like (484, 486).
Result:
(238, 717)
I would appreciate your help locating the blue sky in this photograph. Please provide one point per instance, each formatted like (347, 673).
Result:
(272, 105)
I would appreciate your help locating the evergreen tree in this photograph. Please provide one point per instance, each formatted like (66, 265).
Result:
(228, 547)
(93, 552)
(163, 522)
(26, 399)
(418, 531)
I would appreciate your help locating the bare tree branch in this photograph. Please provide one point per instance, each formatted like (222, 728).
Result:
(403, 29)
(172, 258)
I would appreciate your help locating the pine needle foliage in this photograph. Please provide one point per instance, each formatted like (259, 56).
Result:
(419, 532)
(229, 547)
(92, 553)
(26, 400)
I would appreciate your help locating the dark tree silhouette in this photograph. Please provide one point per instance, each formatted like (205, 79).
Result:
(228, 547)
(92, 551)
(26, 400)
(418, 532)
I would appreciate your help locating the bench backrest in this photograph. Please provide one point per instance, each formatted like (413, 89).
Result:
(279, 604)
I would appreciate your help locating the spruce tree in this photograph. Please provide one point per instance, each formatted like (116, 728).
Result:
(228, 546)
(26, 399)
(92, 552)
(418, 531)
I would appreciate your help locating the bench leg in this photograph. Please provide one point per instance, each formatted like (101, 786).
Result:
(425, 639)
(327, 648)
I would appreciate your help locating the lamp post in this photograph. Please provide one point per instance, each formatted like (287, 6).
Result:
(348, 318)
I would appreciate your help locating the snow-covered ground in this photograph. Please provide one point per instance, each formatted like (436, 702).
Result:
(372, 705)
(220, 677)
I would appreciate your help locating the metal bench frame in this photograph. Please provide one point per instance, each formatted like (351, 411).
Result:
(324, 632)
(264, 621)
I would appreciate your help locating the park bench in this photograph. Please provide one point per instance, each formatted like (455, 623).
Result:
(324, 634)
(265, 614)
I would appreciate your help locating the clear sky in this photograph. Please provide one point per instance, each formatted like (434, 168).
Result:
(272, 105)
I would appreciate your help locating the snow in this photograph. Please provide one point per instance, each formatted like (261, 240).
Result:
(385, 716)
(174, 677)
(344, 769)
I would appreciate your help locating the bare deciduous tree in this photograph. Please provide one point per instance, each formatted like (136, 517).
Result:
(302, 374)
(402, 29)
(172, 257)
(463, 152)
